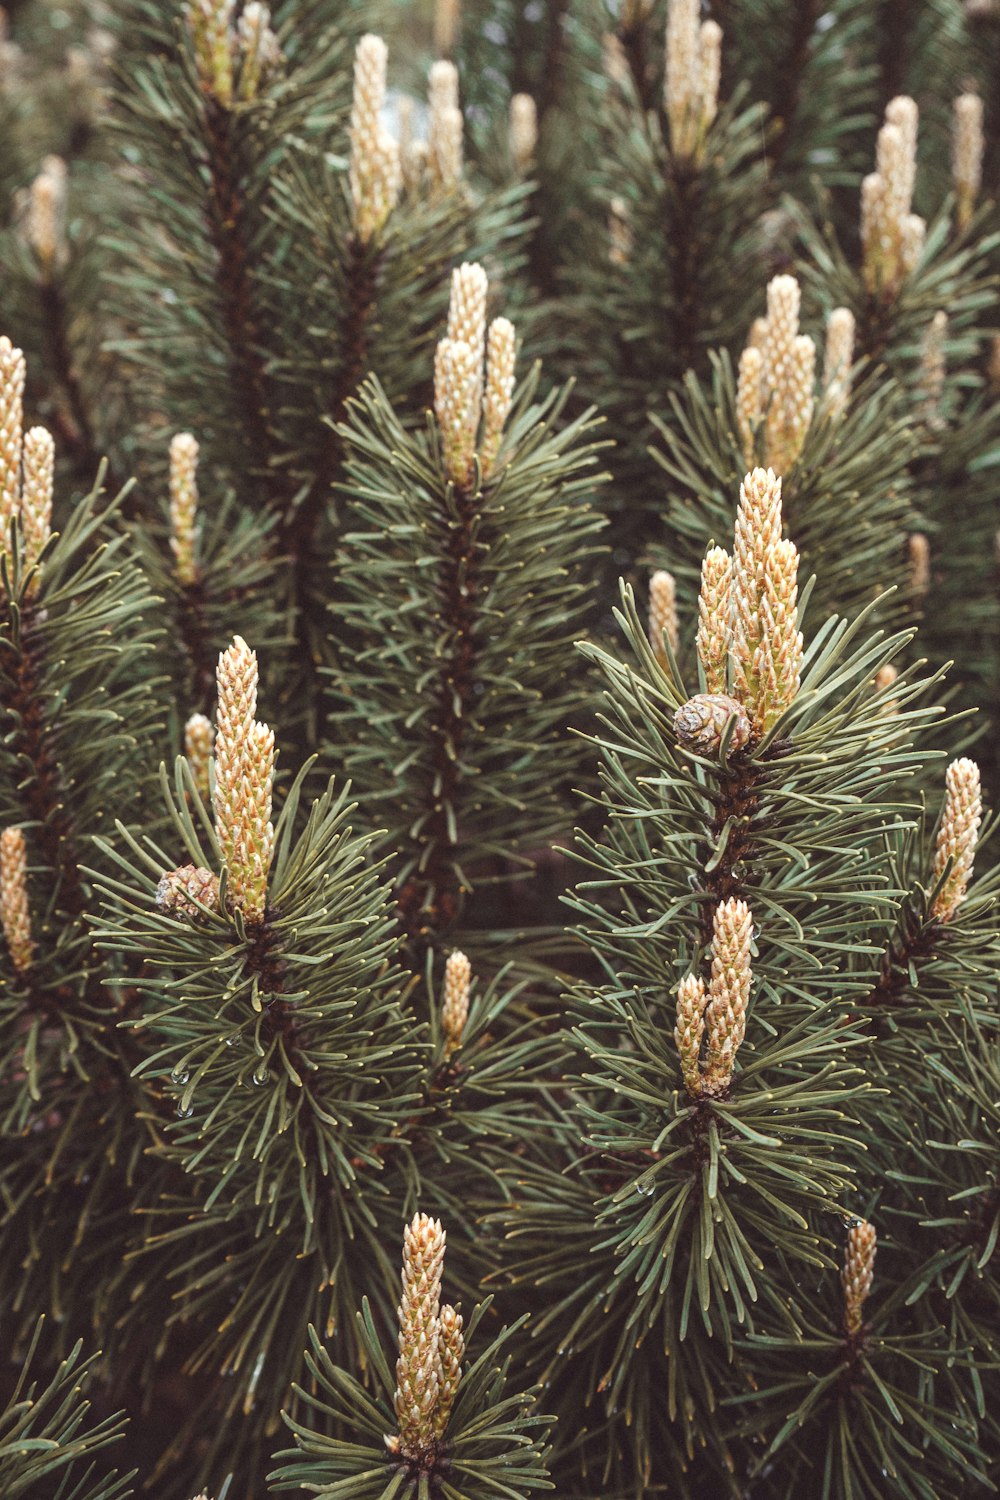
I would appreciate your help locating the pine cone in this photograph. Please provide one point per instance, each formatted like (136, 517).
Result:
(179, 889)
(700, 723)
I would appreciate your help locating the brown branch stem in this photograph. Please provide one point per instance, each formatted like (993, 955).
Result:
(896, 24)
(739, 800)
(301, 525)
(236, 290)
(684, 260)
(789, 80)
(431, 897)
(44, 792)
(915, 942)
(193, 630)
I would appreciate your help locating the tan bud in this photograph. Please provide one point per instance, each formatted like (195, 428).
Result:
(419, 1365)
(210, 25)
(236, 683)
(198, 738)
(451, 1349)
(933, 369)
(782, 645)
(749, 398)
(662, 614)
(244, 778)
(892, 237)
(375, 174)
(710, 46)
(689, 1030)
(757, 337)
(787, 376)
(46, 221)
(901, 171)
(793, 406)
(446, 15)
(682, 77)
(455, 1003)
(920, 564)
(913, 233)
(715, 626)
(767, 647)
(36, 500)
(858, 1273)
(958, 834)
(446, 127)
(12, 372)
(183, 505)
(257, 49)
(501, 352)
(728, 992)
(784, 299)
(253, 833)
(467, 305)
(967, 155)
(838, 357)
(15, 915)
(522, 132)
(458, 384)
(442, 86)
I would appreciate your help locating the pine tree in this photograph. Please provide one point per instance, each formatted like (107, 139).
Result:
(354, 362)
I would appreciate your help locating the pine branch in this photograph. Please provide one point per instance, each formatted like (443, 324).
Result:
(48, 1436)
(45, 794)
(361, 277)
(493, 1444)
(237, 294)
(790, 76)
(460, 563)
(436, 890)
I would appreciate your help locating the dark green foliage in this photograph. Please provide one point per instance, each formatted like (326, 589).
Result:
(289, 1061)
(454, 732)
(493, 1446)
(957, 483)
(208, 283)
(666, 294)
(798, 57)
(552, 52)
(884, 1414)
(48, 1438)
(213, 1128)
(953, 273)
(80, 713)
(234, 571)
(695, 1212)
(846, 500)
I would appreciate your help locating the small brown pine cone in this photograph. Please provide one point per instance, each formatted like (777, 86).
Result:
(179, 889)
(700, 723)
